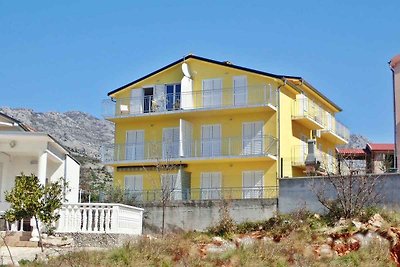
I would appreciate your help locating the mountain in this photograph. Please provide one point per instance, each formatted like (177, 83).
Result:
(82, 133)
(357, 141)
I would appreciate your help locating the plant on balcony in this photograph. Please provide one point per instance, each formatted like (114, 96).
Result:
(31, 199)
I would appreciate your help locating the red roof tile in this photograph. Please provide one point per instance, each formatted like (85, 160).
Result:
(381, 147)
(348, 151)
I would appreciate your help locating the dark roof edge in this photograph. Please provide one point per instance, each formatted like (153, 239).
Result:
(205, 60)
(321, 95)
(20, 124)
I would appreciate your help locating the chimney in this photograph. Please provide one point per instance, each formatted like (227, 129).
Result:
(312, 165)
(395, 67)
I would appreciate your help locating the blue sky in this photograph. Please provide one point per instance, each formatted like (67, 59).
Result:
(66, 55)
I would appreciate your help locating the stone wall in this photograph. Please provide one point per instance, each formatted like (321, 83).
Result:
(198, 215)
(297, 193)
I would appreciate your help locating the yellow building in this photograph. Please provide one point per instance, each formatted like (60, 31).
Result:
(209, 129)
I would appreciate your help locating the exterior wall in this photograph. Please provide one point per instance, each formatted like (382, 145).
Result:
(296, 193)
(198, 215)
(289, 131)
(72, 174)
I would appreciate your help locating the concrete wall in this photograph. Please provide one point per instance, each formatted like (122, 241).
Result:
(198, 215)
(297, 193)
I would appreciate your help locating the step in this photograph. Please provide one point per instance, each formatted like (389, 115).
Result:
(26, 244)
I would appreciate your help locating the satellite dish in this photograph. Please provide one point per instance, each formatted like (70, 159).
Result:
(185, 70)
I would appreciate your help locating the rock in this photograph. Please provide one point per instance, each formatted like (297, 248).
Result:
(216, 240)
(58, 241)
(329, 241)
(309, 251)
(376, 221)
(341, 222)
(246, 241)
(317, 216)
(325, 251)
(357, 224)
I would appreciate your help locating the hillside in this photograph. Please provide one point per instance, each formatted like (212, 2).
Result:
(82, 133)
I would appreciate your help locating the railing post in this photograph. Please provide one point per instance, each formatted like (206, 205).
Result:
(114, 219)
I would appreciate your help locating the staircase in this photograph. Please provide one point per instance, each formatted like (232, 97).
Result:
(20, 239)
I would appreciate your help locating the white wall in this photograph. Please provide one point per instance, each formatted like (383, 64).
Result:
(72, 172)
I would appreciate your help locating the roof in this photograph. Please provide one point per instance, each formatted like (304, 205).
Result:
(394, 61)
(221, 63)
(350, 151)
(26, 128)
(380, 147)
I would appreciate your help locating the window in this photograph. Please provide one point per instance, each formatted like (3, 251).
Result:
(173, 96)
(134, 147)
(171, 186)
(212, 93)
(240, 90)
(253, 184)
(133, 187)
(210, 185)
(170, 143)
(211, 140)
(252, 142)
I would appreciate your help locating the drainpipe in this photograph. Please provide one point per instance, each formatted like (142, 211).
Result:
(394, 118)
(280, 165)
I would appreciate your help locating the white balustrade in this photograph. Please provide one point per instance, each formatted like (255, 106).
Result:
(100, 218)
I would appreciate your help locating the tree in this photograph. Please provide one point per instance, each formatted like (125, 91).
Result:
(30, 199)
(347, 195)
(164, 173)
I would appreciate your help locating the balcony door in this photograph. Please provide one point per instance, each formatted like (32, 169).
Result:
(212, 93)
(240, 90)
(134, 187)
(171, 186)
(253, 138)
(211, 140)
(210, 185)
(303, 149)
(173, 96)
(252, 184)
(136, 101)
(134, 147)
(170, 141)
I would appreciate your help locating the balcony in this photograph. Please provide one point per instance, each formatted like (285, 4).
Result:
(197, 150)
(308, 113)
(178, 102)
(335, 131)
(299, 155)
(134, 197)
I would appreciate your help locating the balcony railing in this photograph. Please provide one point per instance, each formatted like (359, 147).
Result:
(332, 125)
(307, 108)
(249, 96)
(299, 155)
(133, 197)
(196, 149)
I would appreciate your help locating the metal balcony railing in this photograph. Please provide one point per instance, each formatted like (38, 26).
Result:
(265, 145)
(307, 108)
(300, 152)
(331, 124)
(131, 197)
(248, 96)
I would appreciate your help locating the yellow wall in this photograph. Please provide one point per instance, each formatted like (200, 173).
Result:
(230, 121)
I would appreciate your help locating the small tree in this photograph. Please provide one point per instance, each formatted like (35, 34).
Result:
(347, 195)
(30, 199)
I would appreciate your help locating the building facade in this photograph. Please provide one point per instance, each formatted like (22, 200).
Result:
(22, 150)
(206, 129)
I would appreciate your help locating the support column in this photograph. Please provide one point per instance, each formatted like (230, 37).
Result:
(42, 168)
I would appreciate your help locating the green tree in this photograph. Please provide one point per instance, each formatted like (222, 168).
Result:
(30, 199)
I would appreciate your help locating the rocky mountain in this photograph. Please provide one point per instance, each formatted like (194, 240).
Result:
(80, 132)
(357, 141)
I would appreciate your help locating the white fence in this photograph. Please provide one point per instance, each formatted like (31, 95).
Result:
(100, 218)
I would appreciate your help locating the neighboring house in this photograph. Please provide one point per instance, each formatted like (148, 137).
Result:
(374, 158)
(22, 150)
(228, 130)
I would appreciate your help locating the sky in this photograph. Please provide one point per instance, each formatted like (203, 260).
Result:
(67, 55)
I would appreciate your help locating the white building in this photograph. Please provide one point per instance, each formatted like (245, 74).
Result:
(22, 150)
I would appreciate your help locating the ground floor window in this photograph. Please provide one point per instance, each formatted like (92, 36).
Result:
(210, 185)
(134, 186)
(253, 184)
